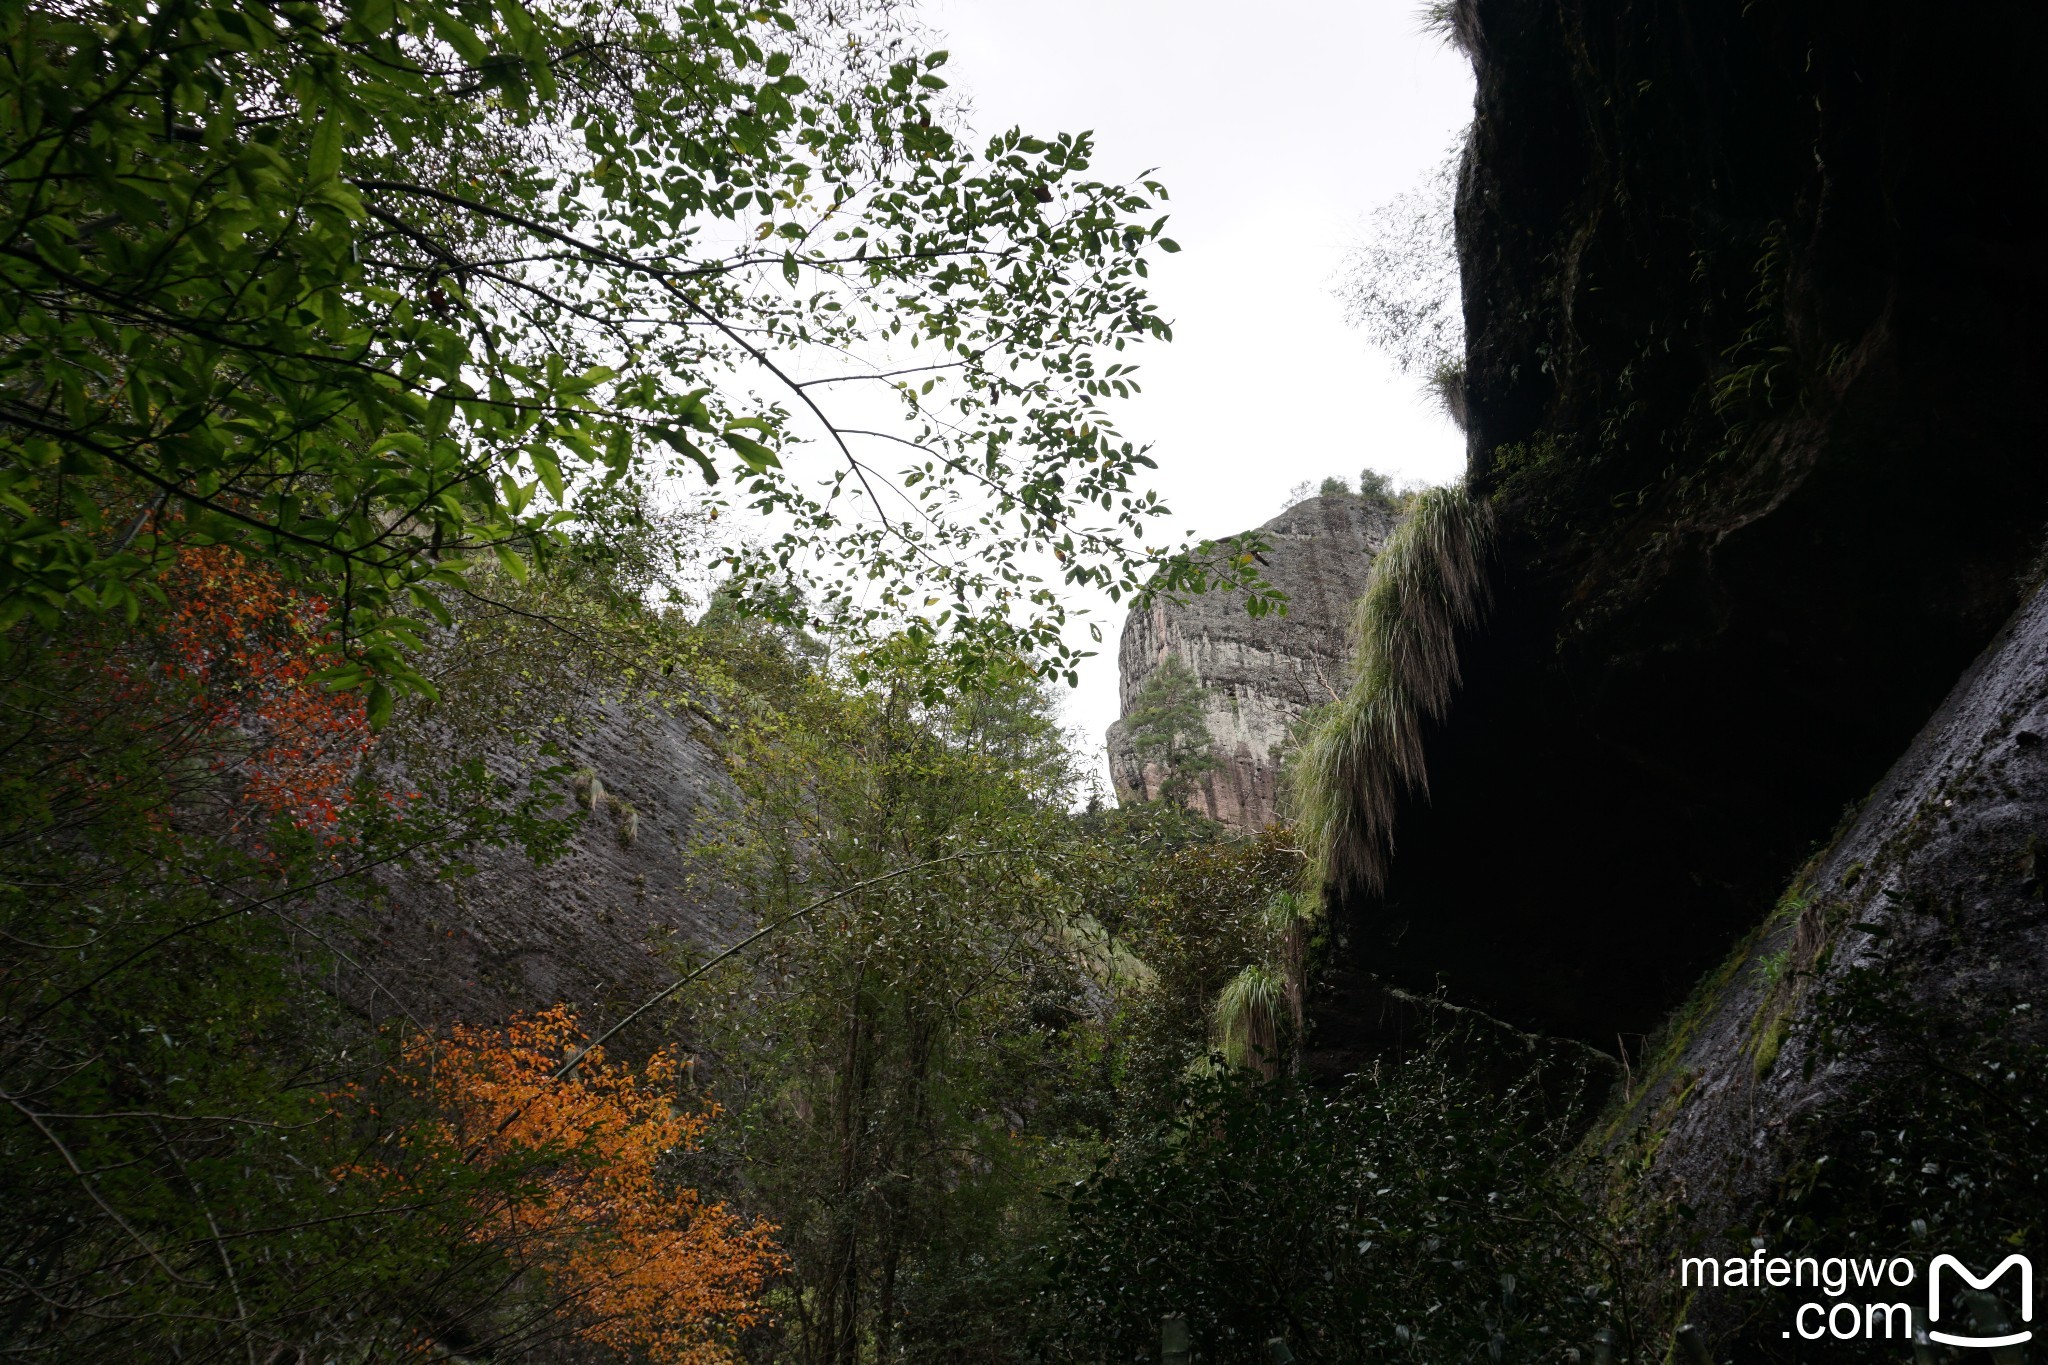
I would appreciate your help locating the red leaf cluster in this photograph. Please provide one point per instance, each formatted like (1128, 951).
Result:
(228, 675)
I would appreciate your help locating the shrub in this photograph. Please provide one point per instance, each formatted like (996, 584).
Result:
(1413, 1214)
(566, 1177)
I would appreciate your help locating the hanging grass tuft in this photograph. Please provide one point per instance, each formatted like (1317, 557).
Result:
(1248, 1015)
(1426, 585)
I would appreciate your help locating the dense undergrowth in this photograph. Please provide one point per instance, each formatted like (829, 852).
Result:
(340, 345)
(1414, 1213)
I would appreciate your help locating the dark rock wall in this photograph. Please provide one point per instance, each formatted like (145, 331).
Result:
(1934, 890)
(1752, 296)
(1259, 673)
(599, 928)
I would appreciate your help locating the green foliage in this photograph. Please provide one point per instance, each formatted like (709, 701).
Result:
(384, 294)
(406, 309)
(173, 1037)
(191, 984)
(1366, 752)
(1169, 730)
(1197, 910)
(1399, 494)
(905, 1068)
(1251, 1019)
(1005, 987)
(1411, 1215)
(1940, 1146)
(1761, 373)
(1400, 284)
(1334, 487)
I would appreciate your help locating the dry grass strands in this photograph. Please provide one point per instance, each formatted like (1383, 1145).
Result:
(1427, 584)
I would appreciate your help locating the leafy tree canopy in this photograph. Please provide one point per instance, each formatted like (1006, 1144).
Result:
(375, 291)
(1168, 727)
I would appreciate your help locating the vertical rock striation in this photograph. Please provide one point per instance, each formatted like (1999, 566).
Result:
(1259, 674)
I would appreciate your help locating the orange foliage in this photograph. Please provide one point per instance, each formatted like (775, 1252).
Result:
(641, 1265)
(249, 646)
(227, 674)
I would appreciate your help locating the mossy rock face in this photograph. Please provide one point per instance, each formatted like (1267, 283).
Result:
(1752, 295)
(1871, 1057)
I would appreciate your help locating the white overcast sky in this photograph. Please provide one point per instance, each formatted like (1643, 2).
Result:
(1276, 131)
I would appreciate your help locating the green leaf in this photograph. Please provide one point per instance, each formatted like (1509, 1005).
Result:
(550, 472)
(377, 705)
(323, 159)
(683, 445)
(458, 35)
(759, 458)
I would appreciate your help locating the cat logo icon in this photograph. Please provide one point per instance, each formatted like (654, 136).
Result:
(1934, 1298)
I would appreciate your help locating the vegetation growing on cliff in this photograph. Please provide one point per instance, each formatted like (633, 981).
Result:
(1170, 730)
(1365, 753)
(184, 805)
(1400, 284)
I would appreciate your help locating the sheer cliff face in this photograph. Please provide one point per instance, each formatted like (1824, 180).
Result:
(1934, 890)
(1258, 674)
(596, 928)
(1752, 303)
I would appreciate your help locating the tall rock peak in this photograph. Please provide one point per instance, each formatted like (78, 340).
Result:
(1257, 674)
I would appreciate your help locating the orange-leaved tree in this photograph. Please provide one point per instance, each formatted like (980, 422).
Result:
(219, 701)
(250, 647)
(638, 1262)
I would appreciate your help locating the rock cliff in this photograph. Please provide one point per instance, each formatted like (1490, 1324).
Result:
(1932, 890)
(1749, 303)
(1749, 295)
(604, 924)
(1258, 674)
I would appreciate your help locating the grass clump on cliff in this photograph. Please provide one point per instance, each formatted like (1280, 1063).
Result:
(1249, 1019)
(1426, 585)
